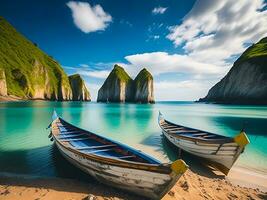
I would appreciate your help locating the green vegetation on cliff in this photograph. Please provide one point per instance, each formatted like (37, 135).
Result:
(255, 51)
(29, 71)
(118, 73)
(117, 86)
(120, 87)
(142, 77)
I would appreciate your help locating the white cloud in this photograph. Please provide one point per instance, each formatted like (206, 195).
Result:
(89, 18)
(181, 90)
(214, 31)
(93, 89)
(96, 74)
(162, 62)
(159, 10)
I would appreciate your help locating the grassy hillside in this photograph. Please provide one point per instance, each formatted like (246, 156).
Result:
(254, 51)
(28, 68)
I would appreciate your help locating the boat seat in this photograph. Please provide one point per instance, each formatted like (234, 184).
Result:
(120, 157)
(67, 128)
(85, 143)
(187, 132)
(96, 147)
(174, 130)
(69, 136)
(170, 126)
(199, 134)
(177, 128)
(68, 132)
(214, 136)
(62, 129)
(77, 139)
(100, 150)
(123, 157)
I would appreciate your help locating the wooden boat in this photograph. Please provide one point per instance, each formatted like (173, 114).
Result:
(113, 163)
(221, 152)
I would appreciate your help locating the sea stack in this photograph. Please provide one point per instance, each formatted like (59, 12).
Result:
(246, 82)
(117, 87)
(79, 89)
(26, 71)
(143, 86)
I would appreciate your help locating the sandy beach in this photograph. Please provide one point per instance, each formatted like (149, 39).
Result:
(191, 186)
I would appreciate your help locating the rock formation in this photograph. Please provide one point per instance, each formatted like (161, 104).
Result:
(79, 89)
(3, 87)
(26, 71)
(143, 87)
(246, 82)
(119, 87)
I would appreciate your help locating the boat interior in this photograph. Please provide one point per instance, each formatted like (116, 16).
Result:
(90, 143)
(192, 133)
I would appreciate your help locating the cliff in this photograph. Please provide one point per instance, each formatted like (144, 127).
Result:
(117, 87)
(26, 71)
(144, 90)
(246, 82)
(79, 89)
(3, 86)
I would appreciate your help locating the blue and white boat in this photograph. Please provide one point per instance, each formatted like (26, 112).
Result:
(114, 163)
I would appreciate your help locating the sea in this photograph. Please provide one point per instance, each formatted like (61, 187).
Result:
(26, 149)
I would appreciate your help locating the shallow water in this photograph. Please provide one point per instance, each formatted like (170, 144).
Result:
(25, 147)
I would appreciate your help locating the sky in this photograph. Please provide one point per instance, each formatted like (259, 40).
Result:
(187, 45)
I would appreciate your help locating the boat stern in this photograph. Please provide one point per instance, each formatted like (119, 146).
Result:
(241, 139)
(179, 166)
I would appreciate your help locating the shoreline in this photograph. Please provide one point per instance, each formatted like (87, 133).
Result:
(247, 177)
(190, 186)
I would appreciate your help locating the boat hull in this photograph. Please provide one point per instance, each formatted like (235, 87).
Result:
(142, 182)
(219, 151)
(223, 159)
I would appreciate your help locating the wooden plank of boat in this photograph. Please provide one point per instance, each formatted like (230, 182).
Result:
(76, 139)
(113, 163)
(66, 136)
(96, 147)
(220, 151)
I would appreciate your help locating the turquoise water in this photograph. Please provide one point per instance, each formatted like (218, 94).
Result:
(25, 147)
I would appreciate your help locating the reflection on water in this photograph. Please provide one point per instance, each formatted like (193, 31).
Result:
(25, 148)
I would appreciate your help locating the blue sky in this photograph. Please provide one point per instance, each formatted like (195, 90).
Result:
(187, 45)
